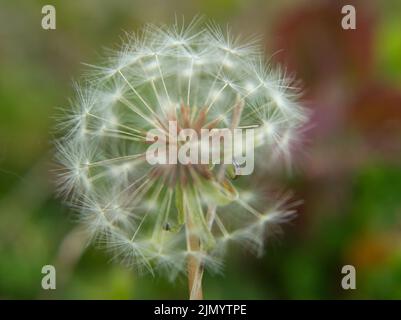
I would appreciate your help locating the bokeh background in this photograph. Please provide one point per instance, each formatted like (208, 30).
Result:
(348, 172)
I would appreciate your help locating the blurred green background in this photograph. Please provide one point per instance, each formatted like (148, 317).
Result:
(348, 172)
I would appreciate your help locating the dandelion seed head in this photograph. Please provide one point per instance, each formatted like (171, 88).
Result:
(200, 76)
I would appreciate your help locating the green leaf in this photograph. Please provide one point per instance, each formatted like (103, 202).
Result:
(195, 210)
(179, 203)
(219, 194)
(230, 172)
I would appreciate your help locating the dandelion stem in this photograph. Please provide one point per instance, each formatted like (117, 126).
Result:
(195, 270)
(196, 277)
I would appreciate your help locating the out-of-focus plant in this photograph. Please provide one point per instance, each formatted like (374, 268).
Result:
(176, 217)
